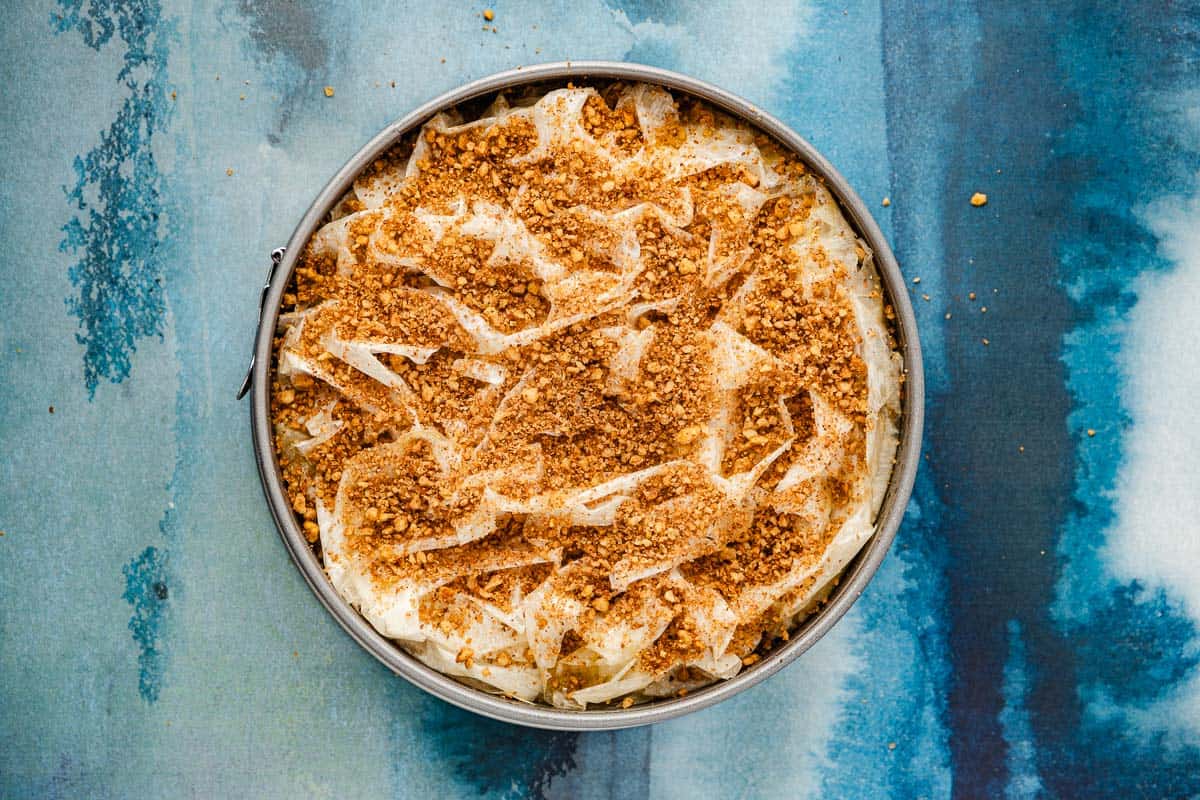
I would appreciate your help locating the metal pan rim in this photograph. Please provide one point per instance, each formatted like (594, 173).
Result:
(853, 579)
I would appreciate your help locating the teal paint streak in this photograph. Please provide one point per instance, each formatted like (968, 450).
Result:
(118, 231)
(147, 589)
(119, 234)
(122, 212)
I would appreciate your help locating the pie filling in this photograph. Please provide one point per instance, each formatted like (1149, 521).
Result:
(587, 400)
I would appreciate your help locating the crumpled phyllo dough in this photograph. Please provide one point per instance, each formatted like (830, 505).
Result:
(397, 497)
(304, 352)
(675, 516)
(732, 217)
(591, 240)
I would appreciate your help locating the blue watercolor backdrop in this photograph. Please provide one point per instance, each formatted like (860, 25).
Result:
(1034, 632)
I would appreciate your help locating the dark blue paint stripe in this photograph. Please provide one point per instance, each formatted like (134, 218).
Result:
(1061, 101)
(1003, 507)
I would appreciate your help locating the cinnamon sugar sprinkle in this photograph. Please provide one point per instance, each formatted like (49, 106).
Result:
(589, 400)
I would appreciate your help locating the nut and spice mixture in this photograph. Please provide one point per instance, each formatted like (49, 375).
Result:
(586, 399)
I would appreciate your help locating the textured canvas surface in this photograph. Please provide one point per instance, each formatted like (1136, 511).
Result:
(1036, 629)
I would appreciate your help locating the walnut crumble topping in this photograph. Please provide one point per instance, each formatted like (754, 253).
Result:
(588, 399)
